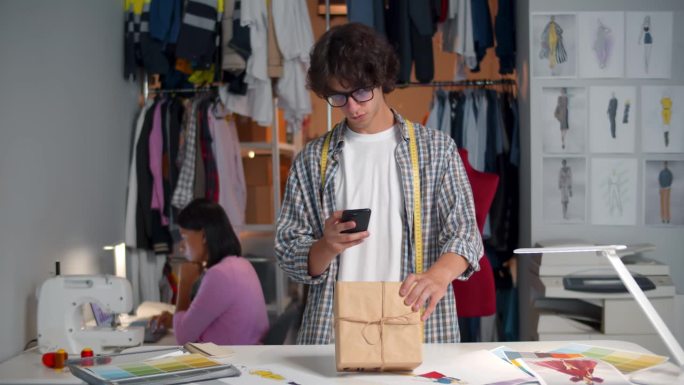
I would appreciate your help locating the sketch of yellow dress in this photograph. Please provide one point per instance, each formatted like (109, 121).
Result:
(552, 44)
(666, 103)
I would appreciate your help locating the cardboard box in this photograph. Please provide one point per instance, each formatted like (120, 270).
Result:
(374, 330)
(258, 170)
(249, 131)
(259, 205)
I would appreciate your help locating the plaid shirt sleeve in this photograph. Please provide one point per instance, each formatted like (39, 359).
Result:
(459, 233)
(298, 224)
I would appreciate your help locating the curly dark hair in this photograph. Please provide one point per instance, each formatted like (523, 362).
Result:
(356, 56)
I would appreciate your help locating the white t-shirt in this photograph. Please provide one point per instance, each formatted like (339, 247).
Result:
(369, 178)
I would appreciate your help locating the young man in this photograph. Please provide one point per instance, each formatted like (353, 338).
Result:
(368, 165)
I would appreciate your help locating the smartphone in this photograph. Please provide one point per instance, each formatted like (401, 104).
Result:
(359, 216)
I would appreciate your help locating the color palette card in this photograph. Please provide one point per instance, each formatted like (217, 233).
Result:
(165, 370)
(151, 367)
(625, 361)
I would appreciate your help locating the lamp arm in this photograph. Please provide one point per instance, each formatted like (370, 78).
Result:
(648, 309)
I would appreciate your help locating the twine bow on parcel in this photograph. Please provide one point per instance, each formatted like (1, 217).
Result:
(403, 319)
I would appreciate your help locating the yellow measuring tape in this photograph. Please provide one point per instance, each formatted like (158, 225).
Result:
(415, 172)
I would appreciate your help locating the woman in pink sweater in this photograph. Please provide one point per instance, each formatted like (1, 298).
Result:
(219, 294)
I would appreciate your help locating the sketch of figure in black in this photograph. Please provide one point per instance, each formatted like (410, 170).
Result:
(552, 47)
(565, 186)
(665, 182)
(612, 112)
(625, 112)
(561, 113)
(646, 39)
(603, 44)
(615, 191)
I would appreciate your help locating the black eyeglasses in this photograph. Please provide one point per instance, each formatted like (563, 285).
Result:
(340, 99)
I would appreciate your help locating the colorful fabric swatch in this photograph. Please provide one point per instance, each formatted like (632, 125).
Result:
(625, 361)
(152, 367)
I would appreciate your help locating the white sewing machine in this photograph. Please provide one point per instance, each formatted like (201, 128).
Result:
(61, 321)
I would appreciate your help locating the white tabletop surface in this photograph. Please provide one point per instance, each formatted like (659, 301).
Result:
(305, 364)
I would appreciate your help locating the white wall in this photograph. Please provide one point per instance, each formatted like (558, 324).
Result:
(669, 241)
(65, 126)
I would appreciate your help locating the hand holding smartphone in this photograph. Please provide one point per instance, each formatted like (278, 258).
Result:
(359, 216)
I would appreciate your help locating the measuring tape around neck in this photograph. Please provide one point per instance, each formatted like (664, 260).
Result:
(415, 172)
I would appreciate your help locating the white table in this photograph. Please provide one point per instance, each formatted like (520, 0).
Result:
(306, 364)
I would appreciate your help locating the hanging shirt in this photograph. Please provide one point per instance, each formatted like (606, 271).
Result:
(183, 193)
(295, 39)
(369, 178)
(231, 177)
(156, 148)
(260, 94)
(132, 197)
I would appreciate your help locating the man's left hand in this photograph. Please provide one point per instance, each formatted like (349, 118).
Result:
(417, 289)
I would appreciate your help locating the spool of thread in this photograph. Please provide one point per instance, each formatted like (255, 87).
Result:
(56, 359)
(87, 357)
(60, 358)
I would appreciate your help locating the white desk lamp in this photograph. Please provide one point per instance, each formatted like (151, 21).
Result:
(611, 252)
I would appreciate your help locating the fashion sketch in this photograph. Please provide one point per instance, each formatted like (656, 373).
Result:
(666, 113)
(665, 183)
(612, 127)
(663, 192)
(612, 112)
(552, 47)
(650, 45)
(565, 186)
(662, 119)
(614, 191)
(564, 189)
(561, 113)
(646, 39)
(603, 43)
(580, 371)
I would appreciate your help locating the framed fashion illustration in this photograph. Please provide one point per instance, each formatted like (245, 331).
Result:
(612, 126)
(564, 195)
(662, 119)
(648, 40)
(664, 192)
(553, 45)
(601, 37)
(613, 186)
(564, 119)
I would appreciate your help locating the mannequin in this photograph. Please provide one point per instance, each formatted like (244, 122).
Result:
(476, 297)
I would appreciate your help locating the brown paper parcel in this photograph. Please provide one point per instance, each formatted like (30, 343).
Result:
(374, 330)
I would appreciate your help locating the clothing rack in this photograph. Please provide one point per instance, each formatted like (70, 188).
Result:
(462, 83)
(183, 90)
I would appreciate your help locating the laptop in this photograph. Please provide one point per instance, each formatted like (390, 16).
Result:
(104, 319)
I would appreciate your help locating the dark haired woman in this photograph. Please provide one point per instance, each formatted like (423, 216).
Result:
(220, 298)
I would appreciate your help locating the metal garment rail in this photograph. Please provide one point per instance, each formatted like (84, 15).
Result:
(461, 83)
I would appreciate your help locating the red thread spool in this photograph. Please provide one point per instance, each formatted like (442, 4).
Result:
(55, 359)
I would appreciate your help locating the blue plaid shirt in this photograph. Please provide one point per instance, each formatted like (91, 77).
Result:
(448, 213)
